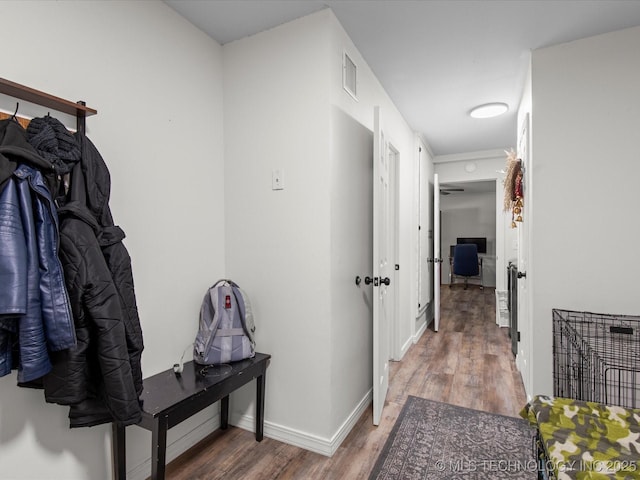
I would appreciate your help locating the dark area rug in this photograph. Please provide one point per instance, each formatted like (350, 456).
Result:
(433, 441)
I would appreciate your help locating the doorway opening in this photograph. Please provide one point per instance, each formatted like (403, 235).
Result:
(473, 211)
(468, 212)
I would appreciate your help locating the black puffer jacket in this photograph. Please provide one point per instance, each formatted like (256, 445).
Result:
(102, 378)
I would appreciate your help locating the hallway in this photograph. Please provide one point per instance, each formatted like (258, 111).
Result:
(467, 363)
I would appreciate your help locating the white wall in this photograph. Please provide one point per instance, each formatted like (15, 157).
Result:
(403, 139)
(195, 210)
(277, 115)
(351, 334)
(470, 215)
(481, 166)
(157, 85)
(369, 94)
(298, 250)
(585, 168)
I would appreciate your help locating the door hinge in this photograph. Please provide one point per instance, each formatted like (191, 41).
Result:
(518, 336)
(397, 267)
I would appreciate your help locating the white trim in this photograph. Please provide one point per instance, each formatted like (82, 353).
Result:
(406, 346)
(297, 438)
(464, 157)
(421, 330)
(422, 310)
(396, 352)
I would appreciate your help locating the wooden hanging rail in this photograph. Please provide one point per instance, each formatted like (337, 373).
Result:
(40, 98)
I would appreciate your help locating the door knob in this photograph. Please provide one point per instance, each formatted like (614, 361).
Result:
(385, 280)
(522, 274)
(368, 280)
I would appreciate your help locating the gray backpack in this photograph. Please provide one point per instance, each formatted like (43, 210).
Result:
(226, 327)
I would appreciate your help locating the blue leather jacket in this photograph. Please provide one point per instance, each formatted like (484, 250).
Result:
(34, 305)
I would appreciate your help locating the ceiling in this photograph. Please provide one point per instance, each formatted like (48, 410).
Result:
(436, 59)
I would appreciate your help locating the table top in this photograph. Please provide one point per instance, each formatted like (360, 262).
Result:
(167, 389)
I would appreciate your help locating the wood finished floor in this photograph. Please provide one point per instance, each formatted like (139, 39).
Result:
(467, 363)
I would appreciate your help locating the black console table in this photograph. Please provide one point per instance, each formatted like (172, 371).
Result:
(169, 398)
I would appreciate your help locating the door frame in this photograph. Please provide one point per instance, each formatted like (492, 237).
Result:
(525, 318)
(424, 239)
(447, 174)
(437, 252)
(395, 347)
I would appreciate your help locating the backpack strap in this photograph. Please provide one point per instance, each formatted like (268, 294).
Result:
(227, 281)
(211, 303)
(246, 313)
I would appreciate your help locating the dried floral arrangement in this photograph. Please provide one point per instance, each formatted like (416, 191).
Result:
(513, 193)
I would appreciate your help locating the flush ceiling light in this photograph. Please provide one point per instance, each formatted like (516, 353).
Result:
(489, 110)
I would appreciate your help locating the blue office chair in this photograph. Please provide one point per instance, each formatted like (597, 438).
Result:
(467, 264)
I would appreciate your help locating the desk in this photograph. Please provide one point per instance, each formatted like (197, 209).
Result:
(168, 399)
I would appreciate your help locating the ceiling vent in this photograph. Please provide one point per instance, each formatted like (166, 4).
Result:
(349, 77)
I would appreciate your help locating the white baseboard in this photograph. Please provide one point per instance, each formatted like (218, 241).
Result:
(314, 443)
(297, 438)
(421, 330)
(350, 422)
(405, 348)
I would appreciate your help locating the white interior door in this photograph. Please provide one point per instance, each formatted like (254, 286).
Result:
(525, 327)
(381, 267)
(437, 258)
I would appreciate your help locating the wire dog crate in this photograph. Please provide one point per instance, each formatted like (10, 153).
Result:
(596, 357)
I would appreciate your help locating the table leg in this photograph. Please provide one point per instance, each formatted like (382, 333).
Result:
(159, 448)
(118, 450)
(224, 412)
(260, 386)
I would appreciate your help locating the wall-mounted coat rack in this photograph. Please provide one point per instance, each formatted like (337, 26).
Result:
(77, 109)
